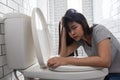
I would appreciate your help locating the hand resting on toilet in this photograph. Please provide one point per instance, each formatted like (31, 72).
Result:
(57, 63)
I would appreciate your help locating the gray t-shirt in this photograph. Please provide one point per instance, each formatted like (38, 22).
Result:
(100, 33)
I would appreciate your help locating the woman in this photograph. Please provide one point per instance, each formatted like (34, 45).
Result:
(102, 48)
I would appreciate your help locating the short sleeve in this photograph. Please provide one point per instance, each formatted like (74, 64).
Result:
(100, 33)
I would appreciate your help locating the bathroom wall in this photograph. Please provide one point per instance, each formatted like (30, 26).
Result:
(87, 9)
(43, 5)
(107, 12)
(11, 6)
(56, 9)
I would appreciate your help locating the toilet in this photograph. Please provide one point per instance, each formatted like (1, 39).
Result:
(29, 46)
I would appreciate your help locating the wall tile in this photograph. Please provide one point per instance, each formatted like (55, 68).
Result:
(12, 4)
(3, 49)
(0, 51)
(7, 77)
(1, 28)
(1, 15)
(3, 1)
(7, 70)
(5, 9)
(2, 60)
(2, 39)
(1, 72)
(20, 2)
(21, 9)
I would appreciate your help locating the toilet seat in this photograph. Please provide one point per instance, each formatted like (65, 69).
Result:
(72, 68)
(36, 72)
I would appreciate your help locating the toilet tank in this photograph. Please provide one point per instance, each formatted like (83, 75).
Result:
(18, 39)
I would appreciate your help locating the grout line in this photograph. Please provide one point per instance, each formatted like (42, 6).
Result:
(1, 46)
(7, 5)
(2, 72)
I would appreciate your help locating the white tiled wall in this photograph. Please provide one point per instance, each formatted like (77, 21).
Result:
(11, 6)
(107, 12)
(87, 9)
(56, 9)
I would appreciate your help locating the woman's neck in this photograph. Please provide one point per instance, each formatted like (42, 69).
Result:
(88, 39)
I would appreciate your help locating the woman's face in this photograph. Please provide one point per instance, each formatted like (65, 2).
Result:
(76, 31)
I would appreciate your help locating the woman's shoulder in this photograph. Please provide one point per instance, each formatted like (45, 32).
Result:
(99, 27)
(100, 32)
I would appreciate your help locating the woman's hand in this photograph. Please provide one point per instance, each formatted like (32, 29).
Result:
(56, 61)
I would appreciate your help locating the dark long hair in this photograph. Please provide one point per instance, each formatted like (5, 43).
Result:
(69, 40)
(70, 16)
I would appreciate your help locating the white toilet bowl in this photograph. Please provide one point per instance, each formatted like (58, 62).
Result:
(20, 43)
(37, 72)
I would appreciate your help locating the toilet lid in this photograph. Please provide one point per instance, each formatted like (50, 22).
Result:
(40, 37)
(43, 46)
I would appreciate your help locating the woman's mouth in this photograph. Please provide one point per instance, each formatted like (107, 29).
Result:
(75, 37)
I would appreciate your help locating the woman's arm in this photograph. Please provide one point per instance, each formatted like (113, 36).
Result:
(102, 60)
(64, 49)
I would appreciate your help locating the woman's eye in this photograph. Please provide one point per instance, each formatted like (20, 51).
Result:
(74, 27)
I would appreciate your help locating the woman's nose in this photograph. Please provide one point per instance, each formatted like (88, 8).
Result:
(72, 32)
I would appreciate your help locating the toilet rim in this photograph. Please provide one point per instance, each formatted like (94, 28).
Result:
(36, 72)
(72, 68)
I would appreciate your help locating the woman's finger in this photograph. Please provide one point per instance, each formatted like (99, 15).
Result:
(55, 65)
